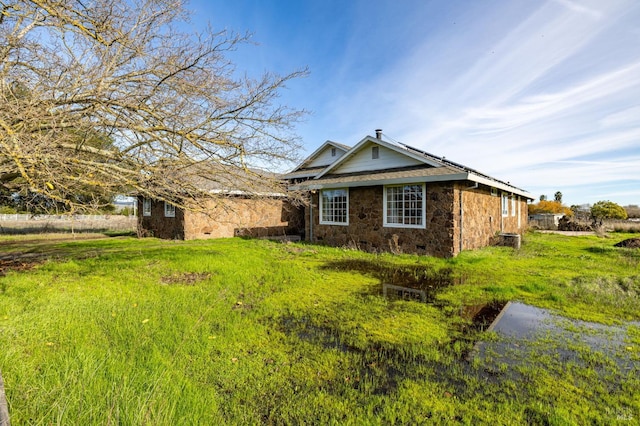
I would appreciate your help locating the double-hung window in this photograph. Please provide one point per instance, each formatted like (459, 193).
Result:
(404, 206)
(334, 206)
(169, 210)
(505, 204)
(146, 207)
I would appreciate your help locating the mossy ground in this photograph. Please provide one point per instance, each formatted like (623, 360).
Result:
(240, 331)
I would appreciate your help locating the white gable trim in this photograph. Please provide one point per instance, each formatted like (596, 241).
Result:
(318, 151)
(349, 154)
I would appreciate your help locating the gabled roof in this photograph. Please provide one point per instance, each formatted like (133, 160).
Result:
(369, 139)
(305, 169)
(419, 166)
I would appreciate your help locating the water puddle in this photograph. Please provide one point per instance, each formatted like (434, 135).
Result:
(404, 282)
(527, 334)
(481, 316)
(516, 342)
(496, 342)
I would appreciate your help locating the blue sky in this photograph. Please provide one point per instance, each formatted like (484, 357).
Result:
(543, 94)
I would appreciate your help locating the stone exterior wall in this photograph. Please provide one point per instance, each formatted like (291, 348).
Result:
(244, 217)
(157, 225)
(233, 216)
(366, 231)
(481, 217)
(457, 218)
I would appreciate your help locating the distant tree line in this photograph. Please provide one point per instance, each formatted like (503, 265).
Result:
(599, 211)
(633, 211)
(545, 206)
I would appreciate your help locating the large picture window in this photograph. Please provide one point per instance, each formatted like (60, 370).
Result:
(334, 207)
(404, 206)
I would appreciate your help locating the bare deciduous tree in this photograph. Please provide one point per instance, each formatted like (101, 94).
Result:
(175, 114)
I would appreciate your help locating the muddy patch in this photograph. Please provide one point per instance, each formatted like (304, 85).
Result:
(629, 243)
(19, 263)
(185, 278)
(374, 368)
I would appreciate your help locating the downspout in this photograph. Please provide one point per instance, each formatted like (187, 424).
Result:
(461, 222)
(475, 186)
(311, 218)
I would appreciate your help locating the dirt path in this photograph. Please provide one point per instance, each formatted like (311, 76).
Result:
(568, 233)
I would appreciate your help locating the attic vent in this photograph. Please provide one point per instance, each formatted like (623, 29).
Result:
(375, 152)
(333, 152)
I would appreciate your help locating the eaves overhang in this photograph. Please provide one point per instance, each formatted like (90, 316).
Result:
(499, 185)
(332, 183)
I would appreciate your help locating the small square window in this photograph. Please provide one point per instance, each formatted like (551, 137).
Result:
(375, 152)
(169, 210)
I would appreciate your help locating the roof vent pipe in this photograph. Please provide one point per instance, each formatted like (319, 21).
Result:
(379, 134)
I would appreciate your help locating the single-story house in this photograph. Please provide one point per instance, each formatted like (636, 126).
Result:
(242, 206)
(384, 196)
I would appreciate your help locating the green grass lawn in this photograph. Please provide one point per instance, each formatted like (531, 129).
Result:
(127, 331)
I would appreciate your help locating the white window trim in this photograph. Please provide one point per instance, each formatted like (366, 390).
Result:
(513, 205)
(519, 213)
(169, 210)
(146, 202)
(402, 225)
(504, 204)
(320, 209)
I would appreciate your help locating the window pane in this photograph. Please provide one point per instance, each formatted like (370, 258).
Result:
(146, 207)
(505, 205)
(334, 206)
(405, 205)
(394, 204)
(169, 210)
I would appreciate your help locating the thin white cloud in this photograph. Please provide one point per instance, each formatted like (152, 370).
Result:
(581, 8)
(525, 110)
(536, 107)
(626, 117)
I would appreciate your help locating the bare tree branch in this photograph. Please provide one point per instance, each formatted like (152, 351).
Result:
(111, 96)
